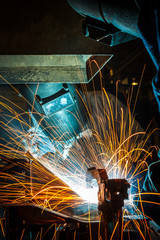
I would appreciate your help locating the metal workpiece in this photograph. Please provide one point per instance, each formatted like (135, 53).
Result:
(60, 68)
(43, 68)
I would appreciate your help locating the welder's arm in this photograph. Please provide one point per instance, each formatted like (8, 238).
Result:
(149, 27)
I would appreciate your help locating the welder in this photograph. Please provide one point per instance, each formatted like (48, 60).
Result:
(140, 18)
(119, 21)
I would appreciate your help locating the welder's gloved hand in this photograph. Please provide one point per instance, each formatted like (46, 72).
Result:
(151, 190)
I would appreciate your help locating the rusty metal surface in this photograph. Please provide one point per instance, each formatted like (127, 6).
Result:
(50, 68)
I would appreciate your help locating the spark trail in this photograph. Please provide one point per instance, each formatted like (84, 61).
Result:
(111, 139)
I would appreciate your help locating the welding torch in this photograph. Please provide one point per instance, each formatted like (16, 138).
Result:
(111, 196)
